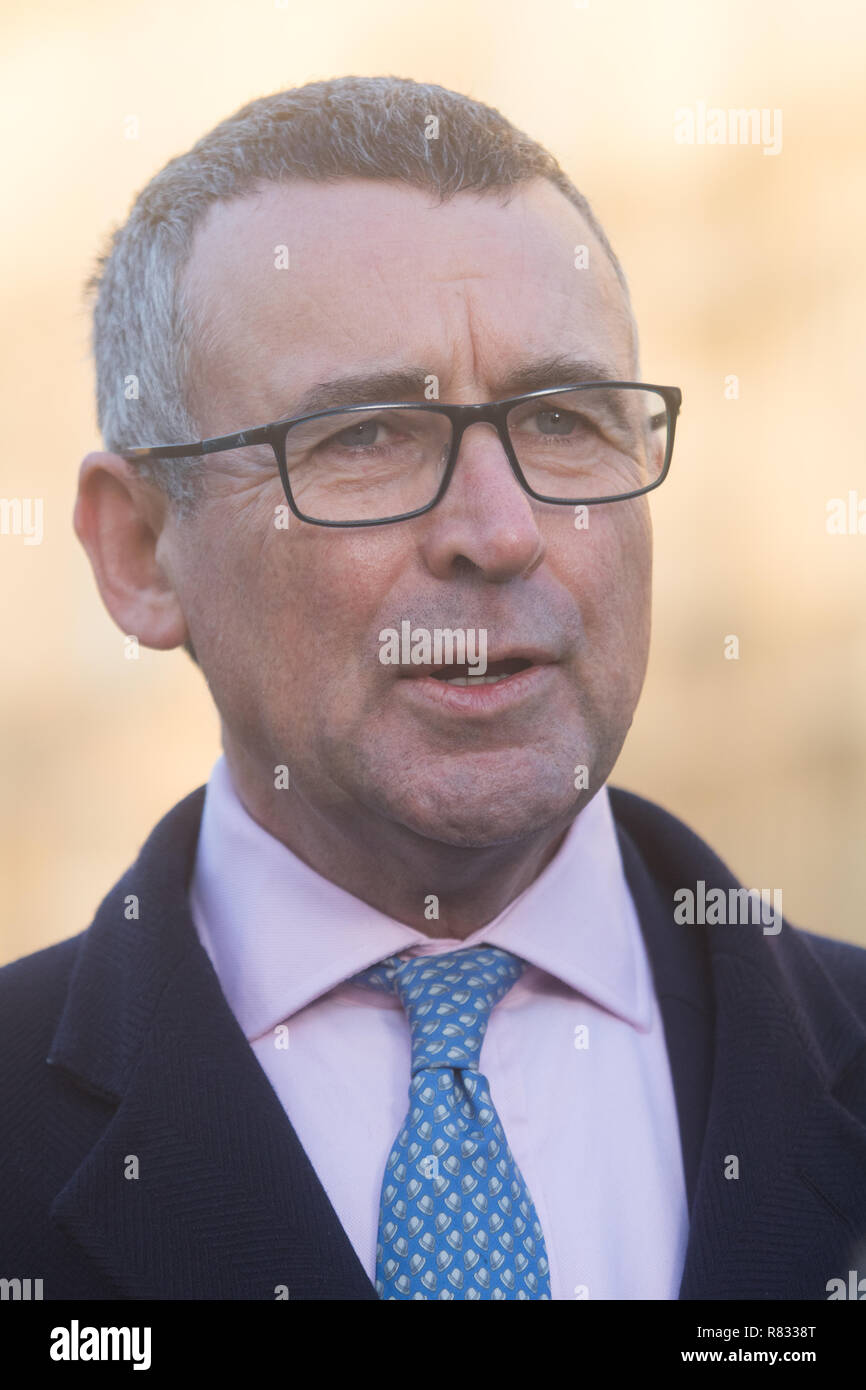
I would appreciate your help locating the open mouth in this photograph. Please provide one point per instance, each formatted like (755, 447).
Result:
(496, 671)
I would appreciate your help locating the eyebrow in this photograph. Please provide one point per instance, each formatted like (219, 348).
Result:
(405, 383)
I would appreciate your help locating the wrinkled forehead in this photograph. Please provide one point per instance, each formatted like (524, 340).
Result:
(302, 279)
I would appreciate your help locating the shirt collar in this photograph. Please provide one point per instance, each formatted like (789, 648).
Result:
(279, 935)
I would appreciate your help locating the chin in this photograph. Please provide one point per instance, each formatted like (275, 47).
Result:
(479, 822)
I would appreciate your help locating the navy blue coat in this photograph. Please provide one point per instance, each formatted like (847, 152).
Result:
(119, 1042)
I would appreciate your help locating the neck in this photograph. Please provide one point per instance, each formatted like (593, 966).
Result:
(445, 891)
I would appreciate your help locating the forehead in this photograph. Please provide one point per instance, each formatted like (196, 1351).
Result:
(299, 282)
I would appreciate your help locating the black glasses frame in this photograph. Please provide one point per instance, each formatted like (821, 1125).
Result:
(460, 416)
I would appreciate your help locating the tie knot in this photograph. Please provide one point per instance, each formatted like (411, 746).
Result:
(448, 1000)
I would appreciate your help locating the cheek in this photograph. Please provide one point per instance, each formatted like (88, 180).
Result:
(634, 552)
(629, 592)
(331, 592)
(608, 571)
(238, 594)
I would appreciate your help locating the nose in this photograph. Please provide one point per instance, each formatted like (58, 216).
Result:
(485, 518)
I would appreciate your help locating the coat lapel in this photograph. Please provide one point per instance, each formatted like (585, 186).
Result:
(226, 1203)
(683, 986)
(767, 1063)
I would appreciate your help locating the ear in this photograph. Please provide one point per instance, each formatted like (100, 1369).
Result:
(119, 518)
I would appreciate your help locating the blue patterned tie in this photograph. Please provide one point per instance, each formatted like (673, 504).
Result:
(456, 1219)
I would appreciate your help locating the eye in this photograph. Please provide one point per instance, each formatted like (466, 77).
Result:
(555, 421)
(361, 434)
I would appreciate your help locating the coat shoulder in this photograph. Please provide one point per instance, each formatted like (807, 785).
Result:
(34, 988)
(673, 853)
(843, 961)
(32, 994)
(667, 843)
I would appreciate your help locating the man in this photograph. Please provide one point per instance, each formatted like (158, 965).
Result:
(424, 619)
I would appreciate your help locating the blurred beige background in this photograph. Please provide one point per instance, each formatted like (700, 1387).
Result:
(740, 264)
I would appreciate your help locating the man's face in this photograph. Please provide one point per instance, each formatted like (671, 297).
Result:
(286, 622)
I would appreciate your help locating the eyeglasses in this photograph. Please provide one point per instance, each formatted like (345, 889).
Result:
(370, 465)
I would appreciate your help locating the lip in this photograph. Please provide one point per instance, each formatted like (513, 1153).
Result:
(535, 656)
(481, 699)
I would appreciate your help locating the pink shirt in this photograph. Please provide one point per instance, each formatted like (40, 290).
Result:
(574, 1053)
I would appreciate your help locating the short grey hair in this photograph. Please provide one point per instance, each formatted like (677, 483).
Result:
(145, 329)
